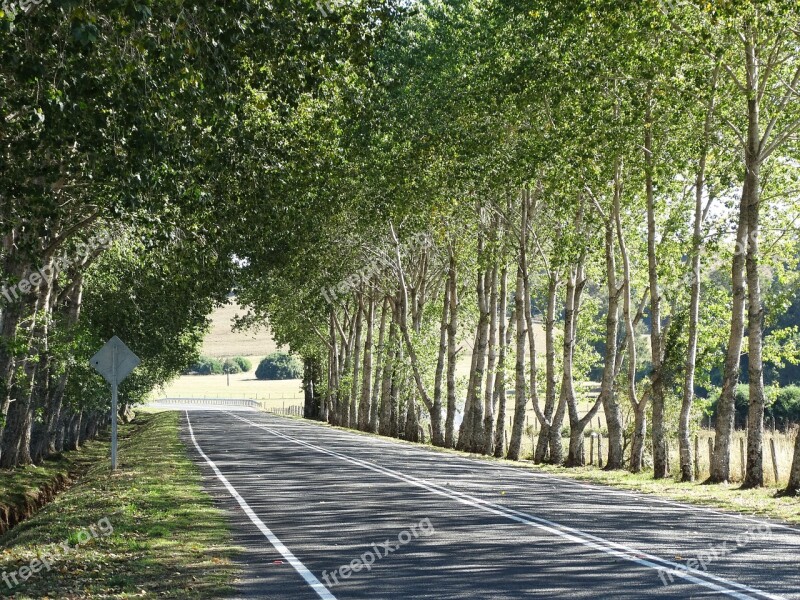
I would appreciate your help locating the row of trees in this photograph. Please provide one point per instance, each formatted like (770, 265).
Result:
(605, 189)
(128, 131)
(564, 187)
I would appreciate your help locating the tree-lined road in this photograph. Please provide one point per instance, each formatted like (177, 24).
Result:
(316, 499)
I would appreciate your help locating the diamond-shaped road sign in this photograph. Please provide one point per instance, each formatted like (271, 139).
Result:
(114, 361)
(115, 351)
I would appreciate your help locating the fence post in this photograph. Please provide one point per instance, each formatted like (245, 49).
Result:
(710, 453)
(774, 459)
(666, 455)
(591, 449)
(743, 466)
(696, 456)
(600, 450)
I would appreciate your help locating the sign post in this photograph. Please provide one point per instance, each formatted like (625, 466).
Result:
(114, 362)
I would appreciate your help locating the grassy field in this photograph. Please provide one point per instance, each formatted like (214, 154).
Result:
(222, 342)
(242, 385)
(147, 531)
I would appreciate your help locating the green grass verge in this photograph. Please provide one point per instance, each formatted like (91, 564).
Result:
(21, 488)
(168, 540)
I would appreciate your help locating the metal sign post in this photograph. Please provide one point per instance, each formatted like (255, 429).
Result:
(114, 362)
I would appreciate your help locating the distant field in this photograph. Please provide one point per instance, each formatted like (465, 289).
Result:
(221, 342)
(242, 385)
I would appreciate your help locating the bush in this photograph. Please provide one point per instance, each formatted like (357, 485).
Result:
(231, 366)
(244, 364)
(279, 365)
(782, 404)
(207, 366)
(785, 406)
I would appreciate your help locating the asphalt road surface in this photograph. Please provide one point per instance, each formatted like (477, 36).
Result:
(330, 514)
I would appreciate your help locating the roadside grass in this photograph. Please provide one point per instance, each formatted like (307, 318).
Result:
(755, 502)
(22, 486)
(761, 502)
(168, 539)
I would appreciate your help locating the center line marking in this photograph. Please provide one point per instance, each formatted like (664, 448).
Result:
(310, 578)
(597, 543)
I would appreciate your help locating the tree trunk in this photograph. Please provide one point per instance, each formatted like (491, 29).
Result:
(17, 436)
(394, 398)
(660, 470)
(488, 409)
(351, 420)
(437, 433)
(754, 475)
(452, 334)
(387, 388)
(793, 489)
(543, 443)
(520, 401)
(465, 430)
(379, 370)
(500, 379)
(578, 424)
(478, 436)
(608, 398)
(366, 383)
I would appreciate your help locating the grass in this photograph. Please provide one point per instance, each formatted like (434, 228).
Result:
(168, 539)
(242, 385)
(761, 502)
(22, 486)
(222, 342)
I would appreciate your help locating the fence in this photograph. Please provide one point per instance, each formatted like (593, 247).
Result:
(293, 410)
(287, 411)
(210, 401)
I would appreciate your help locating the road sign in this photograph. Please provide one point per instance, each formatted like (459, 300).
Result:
(114, 362)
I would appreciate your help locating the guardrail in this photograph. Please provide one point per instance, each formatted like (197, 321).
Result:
(210, 401)
(291, 410)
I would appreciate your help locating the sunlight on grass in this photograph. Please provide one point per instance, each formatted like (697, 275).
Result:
(168, 540)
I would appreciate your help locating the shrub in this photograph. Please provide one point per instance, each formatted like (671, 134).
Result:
(782, 404)
(785, 404)
(231, 366)
(207, 365)
(279, 365)
(244, 364)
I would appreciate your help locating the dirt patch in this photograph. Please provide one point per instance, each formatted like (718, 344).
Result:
(13, 514)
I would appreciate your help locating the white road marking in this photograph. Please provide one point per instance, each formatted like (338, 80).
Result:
(569, 533)
(409, 447)
(309, 577)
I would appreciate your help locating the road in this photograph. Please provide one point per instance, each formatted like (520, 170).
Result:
(325, 513)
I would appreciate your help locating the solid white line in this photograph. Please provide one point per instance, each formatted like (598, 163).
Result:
(309, 577)
(569, 533)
